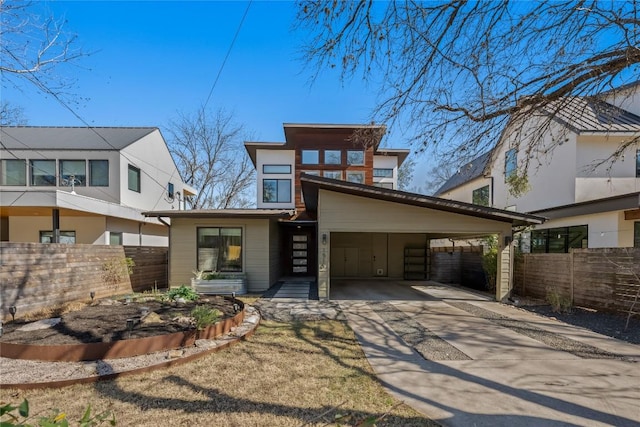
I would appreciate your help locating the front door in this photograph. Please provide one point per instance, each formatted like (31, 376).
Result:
(302, 253)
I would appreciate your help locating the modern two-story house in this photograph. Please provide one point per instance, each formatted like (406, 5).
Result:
(589, 199)
(328, 208)
(86, 185)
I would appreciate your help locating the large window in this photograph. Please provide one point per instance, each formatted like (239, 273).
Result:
(276, 190)
(333, 174)
(310, 157)
(510, 163)
(73, 172)
(219, 249)
(43, 172)
(134, 178)
(357, 177)
(99, 173)
(332, 157)
(65, 236)
(480, 196)
(560, 239)
(14, 172)
(382, 173)
(355, 157)
(276, 168)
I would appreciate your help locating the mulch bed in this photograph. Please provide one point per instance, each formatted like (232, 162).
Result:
(106, 321)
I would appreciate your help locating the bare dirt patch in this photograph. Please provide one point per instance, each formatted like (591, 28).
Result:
(106, 321)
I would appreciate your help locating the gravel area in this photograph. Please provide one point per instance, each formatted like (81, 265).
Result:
(429, 345)
(282, 311)
(551, 339)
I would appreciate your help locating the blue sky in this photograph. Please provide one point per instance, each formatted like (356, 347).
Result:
(152, 59)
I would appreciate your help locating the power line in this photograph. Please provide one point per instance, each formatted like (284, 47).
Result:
(215, 82)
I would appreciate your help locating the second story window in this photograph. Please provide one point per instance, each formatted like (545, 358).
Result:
(357, 177)
(134, 178)
(332, 157)
(14, 172)
(276, 191)
(310, 157)
(333, 174)
(73, 170)
(43, 173)
(480, 196)
(355, 157)
(382, 173)
(99, 173)
(510, 163)
(276, 169)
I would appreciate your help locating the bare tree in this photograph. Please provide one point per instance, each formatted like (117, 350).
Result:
(459, 71)
(208, 150)
(32, 47)
(405, 174)
(11, 115)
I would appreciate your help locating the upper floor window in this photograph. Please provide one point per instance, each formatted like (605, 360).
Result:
(170, 190)
(480, 196)
(388, 185)
(357, 177)
(14, 172)
(637, 163)
(73, 173)
(276, 191)
(276, 168)
(333, 174)
(43, 172)
(332, 157)
(382, 173)
(134, 178)
(510, 163)
(310, 157)
(99, 173)
(355, 157)
(65, 237)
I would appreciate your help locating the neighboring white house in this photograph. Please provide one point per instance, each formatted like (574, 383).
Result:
(588, 200)
(86, 185)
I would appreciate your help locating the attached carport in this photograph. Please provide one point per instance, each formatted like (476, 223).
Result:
(364, 230)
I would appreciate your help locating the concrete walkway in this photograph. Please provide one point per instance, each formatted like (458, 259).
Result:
(495, 365)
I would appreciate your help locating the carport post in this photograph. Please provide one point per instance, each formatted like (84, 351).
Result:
(324, 243)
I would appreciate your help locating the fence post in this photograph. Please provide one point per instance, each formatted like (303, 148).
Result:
(571, 275)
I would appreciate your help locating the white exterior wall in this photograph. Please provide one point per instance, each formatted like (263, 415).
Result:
(464, 193)
(628, 99)
(275, 157)
(255, 249)
(157, 169)
(137, 233)
(386, 162)
(89, 229)
(551, 172)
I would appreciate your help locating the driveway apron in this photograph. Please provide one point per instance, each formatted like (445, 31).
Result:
(464, 360)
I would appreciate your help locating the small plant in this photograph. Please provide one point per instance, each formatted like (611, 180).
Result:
(184, 292)
(559, 303)
(9, 417)
(490, 261)
(205, 316)
(114, 270)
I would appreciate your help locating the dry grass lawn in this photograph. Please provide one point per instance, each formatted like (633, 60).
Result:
(285, 375)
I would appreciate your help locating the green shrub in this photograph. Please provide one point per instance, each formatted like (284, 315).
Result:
(8, 417)
(490, 261)
(184, 292)
(205, 316)
(559, 303)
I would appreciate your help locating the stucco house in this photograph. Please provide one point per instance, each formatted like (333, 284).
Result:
(86, 185)
(589, 202)
(328, 207)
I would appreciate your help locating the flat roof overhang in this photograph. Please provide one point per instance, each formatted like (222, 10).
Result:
(223, 213)
(312, 184)
(614, 203)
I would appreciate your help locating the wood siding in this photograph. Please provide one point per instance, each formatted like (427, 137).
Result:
(597, 278)
(151, 267)
(255, 250)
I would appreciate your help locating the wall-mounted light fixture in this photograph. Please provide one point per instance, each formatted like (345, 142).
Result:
(324, 239)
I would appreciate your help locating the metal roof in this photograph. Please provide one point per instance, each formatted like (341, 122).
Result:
(312, 184)
(584, 114)
(470, 171)
(70, 138)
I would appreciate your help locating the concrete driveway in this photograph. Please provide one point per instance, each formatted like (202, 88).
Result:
(464, 360)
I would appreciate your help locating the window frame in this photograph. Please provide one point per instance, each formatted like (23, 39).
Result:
(52, 178)
(388, 172)
(63, 176)
(219, 235)
(339, 152)
(3, 173)
(510, 163)
(266, 166)
(349, 152)
(361, 173)
(118, 234)
(69, 234)
(480, 192)
(326, 174)
(135, 170)
(316, 153)
(91, 181)
(387, 185)
(547, 235)
(277, 193)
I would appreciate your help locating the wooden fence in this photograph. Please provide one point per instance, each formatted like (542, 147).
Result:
(461, 265)
(603, 279)
(35, 276)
